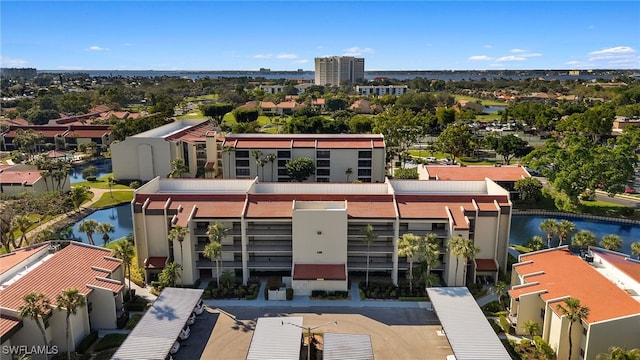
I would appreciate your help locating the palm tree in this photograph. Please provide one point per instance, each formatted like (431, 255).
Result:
(44, 235)
(178, 167)
(111, 182)
(105, 229)
(213, 251)
(564, 228)
(36, 305)
(271, 158)
(369, 237)
(89, 227)
(170, 274)
(635, 249)
(549, 226)
(536, 243)
(430, 254)
(618, 353)
(70, 300)
(611, 242)
(228, 150)
(79, 194)
(21, 223)
(464, 248)
(499, 290)
(256, 154)
(409, 246)
(179, 233)
(574, 312)
(125, 252)
(532, 328)
(584, 239)
(217, 232)
(348, 173)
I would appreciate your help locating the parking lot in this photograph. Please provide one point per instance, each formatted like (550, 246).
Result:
(396, 333)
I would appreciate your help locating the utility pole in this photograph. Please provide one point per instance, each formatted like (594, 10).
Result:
(309, 329)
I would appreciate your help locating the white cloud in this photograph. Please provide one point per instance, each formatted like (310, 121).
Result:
(511, 58)
(128, 44)
(488, 46)
(356, 51)
(615, 56)
(286, 56)
(301, 61)
(320, 47)
(11, 62)
(517, 51)
(96, 48)
(480, 58)
(573, 62)
(262, 56)
(612, 52)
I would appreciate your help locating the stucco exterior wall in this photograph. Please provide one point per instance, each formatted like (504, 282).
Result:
(485, 236)
(528, 308)
(624, 332)
(103, 314)
(141, 158)
(304, 287)
(319, 234)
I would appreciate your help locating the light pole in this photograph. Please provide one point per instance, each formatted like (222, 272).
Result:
(309, 333)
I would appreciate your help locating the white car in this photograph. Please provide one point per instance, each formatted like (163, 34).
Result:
(199, 307)
(185, 332)
(175, 347)
(430, 159)
(192, 319)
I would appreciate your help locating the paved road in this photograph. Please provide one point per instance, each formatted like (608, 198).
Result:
(622, 200)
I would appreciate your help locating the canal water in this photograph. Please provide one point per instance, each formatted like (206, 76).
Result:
(103, 166)
(524, 227)
(118, 216)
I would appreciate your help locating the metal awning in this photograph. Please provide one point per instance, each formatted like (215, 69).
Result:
(347, 346)
(468, 330)
(276, 338)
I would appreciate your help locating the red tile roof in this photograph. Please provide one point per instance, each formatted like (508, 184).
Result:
(563, 274)
(623, 262)
(156, 262)
(7, 324)
(193, 133)
(486, 265)
(8, 261)
(19, 177)
(319, 271)
(77, 266)
(476, 173)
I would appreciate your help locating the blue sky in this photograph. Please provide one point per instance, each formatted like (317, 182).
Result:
(287, 35)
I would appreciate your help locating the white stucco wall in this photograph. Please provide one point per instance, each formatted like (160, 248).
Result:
(319, 233)
(623, 332)
(103, 314)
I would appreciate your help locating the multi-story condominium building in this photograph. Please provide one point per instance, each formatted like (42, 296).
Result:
(150, 153)
(15, 179)
(47, 269)
(333, 70)
(60, 135)
(380, 90)
(606, 282)
(313, 231)
(337, 157)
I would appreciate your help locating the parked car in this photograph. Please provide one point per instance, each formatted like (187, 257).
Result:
(199, 307)
(175, 347)
(431, 159)
(185, 332)
(192, 319)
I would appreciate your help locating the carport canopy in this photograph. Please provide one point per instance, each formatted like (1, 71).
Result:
(160, 326)
(467, 329)
(347, 346)
(276, 338)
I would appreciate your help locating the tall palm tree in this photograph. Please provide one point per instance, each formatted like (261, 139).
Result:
(125, 252)
(271, 158)
(256, 154)
(228, 150)
(217, 232)
(409, 246)
(574, 313)
(369, 237)
(79, 194)
(36, 305)
(464, 248)
(213, 251)
(430, 254)
(179, 233)
(536, 243)
(70, 300)
(611, 242)
(89, 227)
(105, 229)
(44, 235)
(348, 173)
(21, 223)
(635, 249)
(532, 328)
(564, 228)
(549, 226)
(170, 274)
(499, 290)
(584, 239)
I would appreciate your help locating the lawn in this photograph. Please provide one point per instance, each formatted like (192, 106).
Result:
(109, 341)
(102, 183)
(118, 198)
(482, 101)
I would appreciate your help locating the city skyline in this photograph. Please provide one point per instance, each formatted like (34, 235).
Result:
(286, 35)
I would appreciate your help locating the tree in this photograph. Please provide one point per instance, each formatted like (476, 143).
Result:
(401, 129)
(509, 146)
(246, 115)
(178, 233)
(583, 239)
(499, 290)
(530, 189)
(430, 254)
(89, 172)
(299, 169)
(635, 249)
(70, 300)
(464, 248)
(409, 246)
(564, 228)
(228, 150)
(216, 111)
(574, 312)
(178, 167)
(79, 194)
(369, 237)
(403, 173)
(455, 140)
(348, 172)
(21, 223)
(125, 252)
(618, 353)
(536, 243)
(532, 328)
(36, 306)
(169, 275)
(256, 153)
(611, 242)
(213, 251)
(550, 227)
(271, 158)
(105, 229)
(89, 227)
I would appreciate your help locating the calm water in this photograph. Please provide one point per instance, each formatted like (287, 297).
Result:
(119, 217)
(104, 168)
(493, 109)
(523, 228)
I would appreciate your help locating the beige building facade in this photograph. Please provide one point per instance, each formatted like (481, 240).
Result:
(314, 230)
(333, 70)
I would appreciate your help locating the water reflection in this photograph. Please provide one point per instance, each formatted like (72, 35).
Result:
(103, 166)
(118, 216)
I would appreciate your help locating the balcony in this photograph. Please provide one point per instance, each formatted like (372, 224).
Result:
(361, 247)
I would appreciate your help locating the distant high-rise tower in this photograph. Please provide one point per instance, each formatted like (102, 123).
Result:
(335, 69)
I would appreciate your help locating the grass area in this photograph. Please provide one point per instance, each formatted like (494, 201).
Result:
(482, 101)
(109, 341)
(488, 118)
(36, 220)
(114, 198)
(202, 97)
(192, 115)
(102, 183)
(521, 249)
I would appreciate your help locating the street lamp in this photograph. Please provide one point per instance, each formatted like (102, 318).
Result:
(309, 333)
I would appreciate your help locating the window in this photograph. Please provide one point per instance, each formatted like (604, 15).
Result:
(323, 172)
(323, 154)
(584, 331)
(323, 163)
(282, 163)
(242, 163)
(242, 153)
(284, 154)
(242, 172)
(364, 154)
(364, 172)
(542, 314)
(283, 172)
(364, 163)
(438, 226)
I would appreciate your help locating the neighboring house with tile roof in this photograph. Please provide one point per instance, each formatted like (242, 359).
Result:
(505, 176)
(606, 282)
(313, 230)
(149, 154)
(49, 269)
(70, 135)
(15, 179)
(381, 90)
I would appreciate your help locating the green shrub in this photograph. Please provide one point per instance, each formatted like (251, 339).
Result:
(87, 342)
(491, 308)
(91, 178)
(413, 298)
(505, 325)
(110, 341)
(318, 293)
